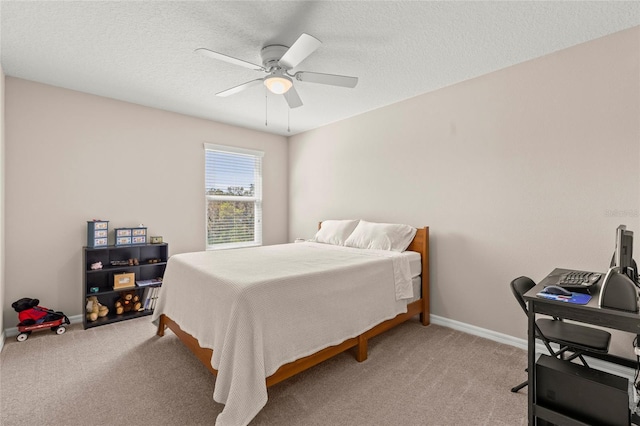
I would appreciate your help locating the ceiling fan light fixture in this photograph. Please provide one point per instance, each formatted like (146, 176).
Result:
(278, 84)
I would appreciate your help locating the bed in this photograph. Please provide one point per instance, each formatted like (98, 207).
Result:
(257, 316)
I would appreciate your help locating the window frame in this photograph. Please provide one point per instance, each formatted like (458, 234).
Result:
(256, 199)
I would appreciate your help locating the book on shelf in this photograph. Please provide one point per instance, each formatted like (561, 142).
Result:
(154, 297)
(149, 297)
(145, 299)
(144, 283)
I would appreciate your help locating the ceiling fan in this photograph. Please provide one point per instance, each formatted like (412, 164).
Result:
(277, 62)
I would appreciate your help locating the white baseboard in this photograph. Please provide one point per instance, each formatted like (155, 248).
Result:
(445, 322)
(522, 344)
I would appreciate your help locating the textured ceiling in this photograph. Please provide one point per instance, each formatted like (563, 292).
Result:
(143, 52)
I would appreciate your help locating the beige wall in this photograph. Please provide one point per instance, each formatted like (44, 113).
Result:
(516, 172)
(2, 184)
(72, 157)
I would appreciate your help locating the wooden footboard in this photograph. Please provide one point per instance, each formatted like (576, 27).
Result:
(203, 354)
(291, 369)
(419, 244)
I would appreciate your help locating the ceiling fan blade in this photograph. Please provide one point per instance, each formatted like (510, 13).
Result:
(332, 79)
(239, 88)
(292, 97)
(229, 59)
(298, 52)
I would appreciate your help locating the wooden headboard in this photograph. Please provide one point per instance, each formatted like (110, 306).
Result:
(420, 243)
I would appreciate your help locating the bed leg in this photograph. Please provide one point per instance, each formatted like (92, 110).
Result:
(362, 349)
(424, 318)
(161, 326)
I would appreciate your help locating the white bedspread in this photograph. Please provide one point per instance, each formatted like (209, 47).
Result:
(260, 308)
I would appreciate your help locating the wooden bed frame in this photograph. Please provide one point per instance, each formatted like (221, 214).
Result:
(419, 244)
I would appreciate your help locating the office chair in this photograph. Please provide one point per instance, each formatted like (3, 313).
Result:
(573, 338)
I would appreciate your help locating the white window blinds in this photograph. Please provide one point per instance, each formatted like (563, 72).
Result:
(233, 192)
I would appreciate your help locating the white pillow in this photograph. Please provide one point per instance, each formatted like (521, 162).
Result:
(381, 236)
(335, 231)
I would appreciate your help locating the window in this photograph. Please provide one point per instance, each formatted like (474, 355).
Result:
(233, 196)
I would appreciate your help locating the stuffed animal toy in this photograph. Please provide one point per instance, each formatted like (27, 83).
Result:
(95, 309)
(30, 313)
(128, 301)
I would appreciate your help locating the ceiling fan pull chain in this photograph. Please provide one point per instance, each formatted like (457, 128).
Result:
(266, 107)
(289, 120)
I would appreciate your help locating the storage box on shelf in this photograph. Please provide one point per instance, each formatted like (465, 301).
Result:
(150, 263)
(123, 236)
(129, 236)
(139, 235)
(97, 233)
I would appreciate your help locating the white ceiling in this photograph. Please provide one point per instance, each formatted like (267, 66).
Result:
(143, 52)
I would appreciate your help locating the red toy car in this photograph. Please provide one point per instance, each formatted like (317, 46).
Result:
(33, 317)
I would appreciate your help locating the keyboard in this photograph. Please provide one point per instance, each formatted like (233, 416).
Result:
(578, 279)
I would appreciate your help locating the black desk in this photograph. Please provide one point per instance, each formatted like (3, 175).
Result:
(590, 314)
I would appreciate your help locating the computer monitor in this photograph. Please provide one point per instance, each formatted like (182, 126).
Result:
(623, 255)
(619, 287)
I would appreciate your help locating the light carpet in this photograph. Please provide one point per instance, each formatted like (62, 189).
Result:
(123, 373)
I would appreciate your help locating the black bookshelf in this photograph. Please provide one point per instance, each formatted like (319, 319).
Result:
(152, 262)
